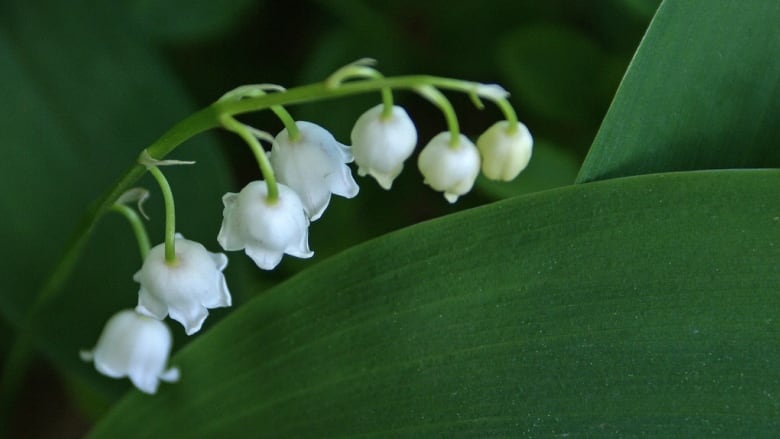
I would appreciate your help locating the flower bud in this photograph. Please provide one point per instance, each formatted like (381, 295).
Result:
(381, 145)
(185, 288)
(504, 154)
(313, 166)
(265, 229)
(449, 169)
(135, 346)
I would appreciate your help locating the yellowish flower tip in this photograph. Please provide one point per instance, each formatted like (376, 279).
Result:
(491, 91)
(505, 152)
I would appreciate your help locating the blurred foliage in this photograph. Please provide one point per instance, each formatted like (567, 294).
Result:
(86, 85)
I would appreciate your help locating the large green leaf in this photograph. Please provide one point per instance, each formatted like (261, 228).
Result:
(702, 92)
(638, 306)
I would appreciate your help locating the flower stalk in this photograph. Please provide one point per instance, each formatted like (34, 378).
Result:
(170, 214)
(250, 137)
(437, 98)
(363, 69)
(139, 230)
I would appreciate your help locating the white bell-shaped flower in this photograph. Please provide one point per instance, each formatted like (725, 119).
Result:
(313, 166)
(135, 346)
(264, 229)
(505, 154)
(447, 168)
(381, 145)
(185, 288)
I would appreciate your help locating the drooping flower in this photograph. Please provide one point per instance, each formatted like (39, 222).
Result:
(447, 168)
(264, 229)
(381, 145)
(505, 154)
(185, 288)
(135, 346)
(314, 166)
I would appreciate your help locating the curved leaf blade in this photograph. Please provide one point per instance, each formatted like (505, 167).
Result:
(696, 96)
(647, 306)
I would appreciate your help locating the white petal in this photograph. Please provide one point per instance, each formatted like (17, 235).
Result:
(220, 260)
(301, 250)
(452, 198)
(109, 369)
(220, 300)
(149, 305)
(315, 201)
(342, 184)
(191, 317)
(144, 381)
(171, 375)
(229, 238)
(229, 198)
(267, 259)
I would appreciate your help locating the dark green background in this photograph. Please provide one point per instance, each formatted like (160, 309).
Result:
(627, 307)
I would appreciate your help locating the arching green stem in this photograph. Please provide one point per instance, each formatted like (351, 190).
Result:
(170, 214)
(362, 69)
(209, 117)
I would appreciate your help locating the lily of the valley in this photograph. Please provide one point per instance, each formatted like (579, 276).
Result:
(314, 166)
(382, 144)
(447, 168)
(135, 346)
(505, 153)
(185, 288)
(265, 229)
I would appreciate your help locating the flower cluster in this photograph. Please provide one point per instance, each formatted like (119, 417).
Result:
(136, 343)
(313, 167)
(269, 218)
